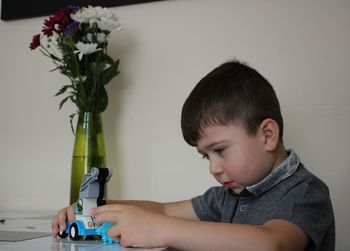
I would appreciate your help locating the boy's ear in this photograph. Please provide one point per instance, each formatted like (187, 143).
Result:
(270, 132)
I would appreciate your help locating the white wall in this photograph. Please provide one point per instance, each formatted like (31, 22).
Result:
(302, 47)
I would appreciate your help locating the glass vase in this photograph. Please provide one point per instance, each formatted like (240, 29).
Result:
(89, 149)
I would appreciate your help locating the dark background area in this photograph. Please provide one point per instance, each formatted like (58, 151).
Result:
(14, 9)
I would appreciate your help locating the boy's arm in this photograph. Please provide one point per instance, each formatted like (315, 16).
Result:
(144, 228)
(198, 235)
(182, 209)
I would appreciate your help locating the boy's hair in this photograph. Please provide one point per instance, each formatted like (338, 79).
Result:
(232, 93)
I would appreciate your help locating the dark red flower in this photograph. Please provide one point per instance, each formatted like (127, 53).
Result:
(48, 32)
(35, 42)
(58, 22)
(62, 16)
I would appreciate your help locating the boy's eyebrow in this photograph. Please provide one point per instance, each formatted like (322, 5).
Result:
(201, 151)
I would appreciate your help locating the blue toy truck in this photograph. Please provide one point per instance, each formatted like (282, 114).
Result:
(91, 195)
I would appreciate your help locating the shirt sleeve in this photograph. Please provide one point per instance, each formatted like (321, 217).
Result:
(308, 206)
(208, 207)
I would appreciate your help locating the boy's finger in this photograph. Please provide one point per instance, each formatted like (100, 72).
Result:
(54, 227)
(106, 208)
(114, 232)
(70, 213)
(61, 220)
(107, 216)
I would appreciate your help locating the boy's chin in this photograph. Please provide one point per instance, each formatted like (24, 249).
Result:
(237, 190)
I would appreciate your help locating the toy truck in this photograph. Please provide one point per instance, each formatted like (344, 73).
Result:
(91, 195)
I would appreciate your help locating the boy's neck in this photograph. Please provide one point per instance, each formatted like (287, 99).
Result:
(280, 155)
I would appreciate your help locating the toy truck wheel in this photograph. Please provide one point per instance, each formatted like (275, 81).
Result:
(63, 234)
(74, 232)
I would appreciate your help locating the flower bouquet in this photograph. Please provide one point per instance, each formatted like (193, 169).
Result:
(76, 40)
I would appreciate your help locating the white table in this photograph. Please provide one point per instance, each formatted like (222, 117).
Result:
(55, 244)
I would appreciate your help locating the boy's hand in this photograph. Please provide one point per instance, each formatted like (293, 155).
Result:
(59, 221)
(134, 227)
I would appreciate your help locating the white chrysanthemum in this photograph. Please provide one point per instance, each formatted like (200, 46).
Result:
(101, 12)
(88, 37)
(109, 24)
(85, 48)
(83, 15)
(101, 37)
(103, 17)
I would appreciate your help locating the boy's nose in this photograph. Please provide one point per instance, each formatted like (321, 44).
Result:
(215, 168)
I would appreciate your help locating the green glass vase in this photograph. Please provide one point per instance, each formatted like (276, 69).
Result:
(89, 149)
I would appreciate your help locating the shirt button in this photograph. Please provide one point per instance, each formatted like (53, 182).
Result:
(243, 208)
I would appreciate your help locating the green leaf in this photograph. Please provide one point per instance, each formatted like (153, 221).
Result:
(80, 103)
(110, 72)
(71, 117)
(55, 69)
(62, 90)
(53, 57)
(71, 64)
(103, 100)
(63, 101)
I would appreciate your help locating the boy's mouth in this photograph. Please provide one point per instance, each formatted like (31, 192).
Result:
(229, 184)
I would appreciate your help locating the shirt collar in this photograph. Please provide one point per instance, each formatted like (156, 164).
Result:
(281, 172)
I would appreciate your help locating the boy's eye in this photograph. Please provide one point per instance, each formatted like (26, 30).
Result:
(219, 150)
(205, 156)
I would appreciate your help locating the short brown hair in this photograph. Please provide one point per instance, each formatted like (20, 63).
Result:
(231, 93)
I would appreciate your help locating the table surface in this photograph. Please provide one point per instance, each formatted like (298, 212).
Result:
(55, 244)
(19, 222)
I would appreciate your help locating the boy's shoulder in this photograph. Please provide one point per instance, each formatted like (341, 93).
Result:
(302, 184)
(304, 177)
(291, 174)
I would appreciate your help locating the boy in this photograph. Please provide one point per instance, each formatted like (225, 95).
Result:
(267, 201)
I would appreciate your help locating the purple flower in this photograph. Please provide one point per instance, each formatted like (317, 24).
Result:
(72, 8)
(70, 29)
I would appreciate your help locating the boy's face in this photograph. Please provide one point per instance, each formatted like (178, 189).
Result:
(236, 160)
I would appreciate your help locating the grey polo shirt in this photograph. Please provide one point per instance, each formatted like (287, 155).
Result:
(289, 192)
